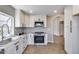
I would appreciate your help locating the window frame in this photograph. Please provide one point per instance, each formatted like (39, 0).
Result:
(13, 20)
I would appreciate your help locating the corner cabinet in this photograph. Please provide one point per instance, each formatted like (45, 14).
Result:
(75, 9)
(19, 18)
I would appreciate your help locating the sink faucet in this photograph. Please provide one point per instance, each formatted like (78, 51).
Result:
(2, 29)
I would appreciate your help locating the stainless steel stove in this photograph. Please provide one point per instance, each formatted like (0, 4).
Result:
(39, 37)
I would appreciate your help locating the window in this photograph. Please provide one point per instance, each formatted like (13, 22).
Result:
(9, 20)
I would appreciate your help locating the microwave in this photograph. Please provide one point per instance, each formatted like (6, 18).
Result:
(39, 24)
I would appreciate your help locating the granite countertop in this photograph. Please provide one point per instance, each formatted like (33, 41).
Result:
(34, 33)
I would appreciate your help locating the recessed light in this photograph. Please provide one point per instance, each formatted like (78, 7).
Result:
(55, 11)
(31, 11)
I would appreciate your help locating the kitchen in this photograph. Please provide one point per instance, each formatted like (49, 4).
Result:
(23, 30)
(38, 29)
(18, 42)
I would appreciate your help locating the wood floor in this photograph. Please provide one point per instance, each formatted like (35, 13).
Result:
(51, 48)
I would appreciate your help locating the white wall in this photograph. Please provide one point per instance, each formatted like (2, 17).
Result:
(71, 38)
(53, 26)
(50, 28)
(56, 27)
(75, 34)
(67, 34)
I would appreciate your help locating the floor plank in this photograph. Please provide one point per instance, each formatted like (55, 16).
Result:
(51, 48)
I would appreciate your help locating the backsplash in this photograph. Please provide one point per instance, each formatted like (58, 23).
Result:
(35, 29)
(30, 29)
(18, 30)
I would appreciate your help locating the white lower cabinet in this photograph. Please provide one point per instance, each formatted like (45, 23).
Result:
(31, 39)
(17, 47)
(46, 37)
(22, 44)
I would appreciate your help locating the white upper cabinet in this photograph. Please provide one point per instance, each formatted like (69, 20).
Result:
(34, 18)
(27, 20)
(39, 18)
(24, 20)
(45, 21)
(76, 10)
(19, 18)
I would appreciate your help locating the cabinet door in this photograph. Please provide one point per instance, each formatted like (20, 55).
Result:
(11, 49)
(45, 21)
(24, 42)
(32, 21)
(22, 19)
(21, 45)
(42, 18)
(46, 39)
(17, 18)
(35, 18)
(30, 39)
(27, 20)
(39, 18)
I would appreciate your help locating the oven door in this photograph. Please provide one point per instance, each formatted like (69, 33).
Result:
(38, 39)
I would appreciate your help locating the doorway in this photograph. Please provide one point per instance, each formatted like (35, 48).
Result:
(59, 31)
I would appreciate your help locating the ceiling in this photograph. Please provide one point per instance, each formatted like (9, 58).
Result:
(41, 9)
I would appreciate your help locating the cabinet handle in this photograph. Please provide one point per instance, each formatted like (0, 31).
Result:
(71, 26)
(16, 43)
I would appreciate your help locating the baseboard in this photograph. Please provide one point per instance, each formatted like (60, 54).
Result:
(30, 44)
(61, 35)
(58, 35)
(65, 52)
(50, 41)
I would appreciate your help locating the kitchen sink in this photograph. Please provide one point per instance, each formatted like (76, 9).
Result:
(4, 42)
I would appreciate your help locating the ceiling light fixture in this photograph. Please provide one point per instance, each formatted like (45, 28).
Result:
(55, 11)
(31, 11)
